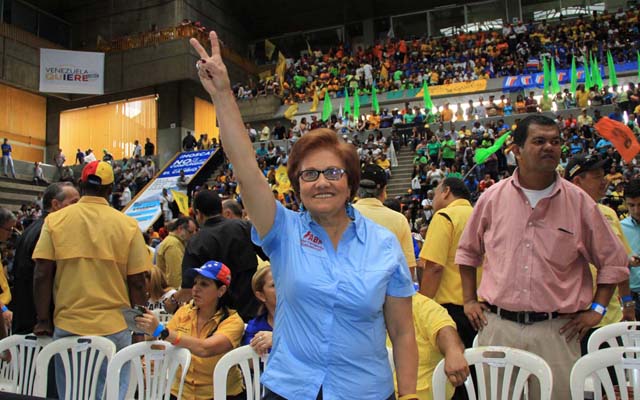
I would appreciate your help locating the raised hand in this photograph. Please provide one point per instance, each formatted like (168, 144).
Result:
(211, 69)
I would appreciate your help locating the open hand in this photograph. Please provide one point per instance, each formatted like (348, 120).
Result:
(580, 324)
(474, 310)
(211, 69)
(262, 342)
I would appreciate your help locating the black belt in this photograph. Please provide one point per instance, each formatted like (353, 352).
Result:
(522, 317)
(636, 296)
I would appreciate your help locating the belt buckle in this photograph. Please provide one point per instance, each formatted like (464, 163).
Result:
(525, 320)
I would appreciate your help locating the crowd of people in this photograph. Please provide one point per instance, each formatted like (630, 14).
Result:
(301, 243)
(398, 64)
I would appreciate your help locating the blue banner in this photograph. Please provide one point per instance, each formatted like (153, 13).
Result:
(530, 81)
(145, 208)
(189, 162)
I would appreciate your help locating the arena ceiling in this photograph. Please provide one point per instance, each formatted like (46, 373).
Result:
(267, 18)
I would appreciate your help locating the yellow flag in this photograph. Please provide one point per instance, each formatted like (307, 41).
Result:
(283, 185)
(269, 48)
(291, 111)
(280, 69)
(309, 49)
(314, 106)
(183, 201)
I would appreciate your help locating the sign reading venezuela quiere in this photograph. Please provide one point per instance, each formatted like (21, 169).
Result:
(64, 71)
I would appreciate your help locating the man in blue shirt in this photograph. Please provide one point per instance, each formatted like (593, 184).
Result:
(631, 229)
(7, 161)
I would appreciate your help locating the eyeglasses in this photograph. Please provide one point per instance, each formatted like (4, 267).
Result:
(10, 230)
(312, 175)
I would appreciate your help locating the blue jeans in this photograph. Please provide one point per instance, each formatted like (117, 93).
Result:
(7, 163)
(121, 340)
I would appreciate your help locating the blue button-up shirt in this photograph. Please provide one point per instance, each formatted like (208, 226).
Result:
(329, 324)
(631, 229)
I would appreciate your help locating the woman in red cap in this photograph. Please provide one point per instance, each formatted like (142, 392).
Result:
(207, 327)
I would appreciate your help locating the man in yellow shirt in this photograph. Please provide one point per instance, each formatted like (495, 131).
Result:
(588, 173)
(93, 259)
(441, 277)
(437, 338)
(7, 227)
(447, 113)
(171, 251)
(373, 191)
(384, 163)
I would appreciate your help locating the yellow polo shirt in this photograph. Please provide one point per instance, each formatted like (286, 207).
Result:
(199, 380)
(95, 248)
(5, 296)
(428, 319)
(614, 310)
(440, 247)
(373, 209)
(169, 259)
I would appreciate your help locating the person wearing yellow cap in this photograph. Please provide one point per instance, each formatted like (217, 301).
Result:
(92, 259)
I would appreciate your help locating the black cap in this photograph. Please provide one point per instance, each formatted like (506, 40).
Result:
(373, 177)
(580, 163)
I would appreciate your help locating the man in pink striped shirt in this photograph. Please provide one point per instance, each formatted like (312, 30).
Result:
(535, 235)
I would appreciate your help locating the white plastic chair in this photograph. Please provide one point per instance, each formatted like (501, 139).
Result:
(493, 360)
(622, 359)
(154, 366)
(627, 332)
(82, 358)
(19, 374)
(249, 363)
(162, 316)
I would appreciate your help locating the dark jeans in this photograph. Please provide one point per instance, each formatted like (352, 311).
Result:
(269, 395)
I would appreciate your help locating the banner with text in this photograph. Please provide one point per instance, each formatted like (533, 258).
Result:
(530, 81)
(64, 71)
(146, 207)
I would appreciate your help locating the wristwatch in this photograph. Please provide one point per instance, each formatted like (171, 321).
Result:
(164, 334)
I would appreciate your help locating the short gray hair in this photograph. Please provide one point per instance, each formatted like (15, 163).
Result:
(6, 216)
(367, 193)
(54, 191)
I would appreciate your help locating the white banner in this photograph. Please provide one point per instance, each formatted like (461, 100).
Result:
(146, 207)
(64, 71)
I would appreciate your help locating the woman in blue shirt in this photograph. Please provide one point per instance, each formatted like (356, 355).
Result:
(342, 280)
(258, 332)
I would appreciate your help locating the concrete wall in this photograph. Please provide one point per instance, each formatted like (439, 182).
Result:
(19, 64)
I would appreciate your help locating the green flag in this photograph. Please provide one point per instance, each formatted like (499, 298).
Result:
(374, 99)
(555, 85)
(574, 76)
(356, 105)
(598, 74)
(428, 104)
(347, 103)
(587, 75)
(483, 154)
(613, 79)
(595, 71)
(545, 74)
(327, 107)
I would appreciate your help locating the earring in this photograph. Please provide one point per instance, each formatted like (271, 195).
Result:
(301, 207)
(351, 212)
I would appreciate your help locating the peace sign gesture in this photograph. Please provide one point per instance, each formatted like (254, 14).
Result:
(211, 69)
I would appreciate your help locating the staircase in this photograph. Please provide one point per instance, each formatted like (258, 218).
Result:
(400, 180)
(15, 192)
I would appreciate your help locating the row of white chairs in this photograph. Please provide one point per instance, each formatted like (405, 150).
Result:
(154, 365)
(514, 366)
